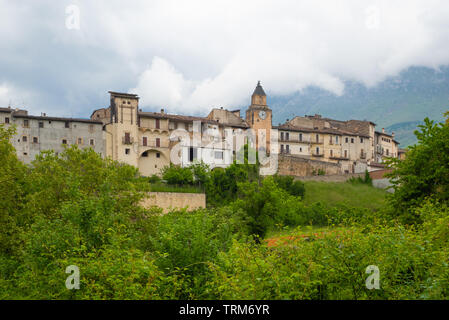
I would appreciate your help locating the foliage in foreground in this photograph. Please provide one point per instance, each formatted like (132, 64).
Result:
(78, 209)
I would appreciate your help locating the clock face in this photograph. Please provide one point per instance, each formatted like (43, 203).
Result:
(262, 115)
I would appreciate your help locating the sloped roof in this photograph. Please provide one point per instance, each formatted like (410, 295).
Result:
(259, 90)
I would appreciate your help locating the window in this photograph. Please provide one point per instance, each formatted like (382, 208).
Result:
(388, 152)
(26, 123)
(282, 148)
(158, 142)
(158, 124)
(218, 154)
(332, 153)
(346, 140)
(193, 154)
(145, 141)
(300, 149)
(287, 136)
(300, 137)
(24, 139)
(158, 155)
(352, 140)
(282, 136)
(145, 154)
(41, 124)
(127, 151)
(6, 120)
(317, 150)
(346, 153)
(127, 138)
(80, 141)
(64, 141)
(35, 140)
(92, 142)
(67, 124)
(287, 148)
(336, 139)
(317, 138)
(361, 140)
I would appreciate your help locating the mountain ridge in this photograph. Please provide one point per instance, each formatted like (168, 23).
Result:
(397, 104)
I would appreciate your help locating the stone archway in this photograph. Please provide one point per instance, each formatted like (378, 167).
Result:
(151, 161)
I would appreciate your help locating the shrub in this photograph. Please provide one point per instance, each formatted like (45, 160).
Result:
(186, 242)
(154, 179)
(176, 175)
(329, 266)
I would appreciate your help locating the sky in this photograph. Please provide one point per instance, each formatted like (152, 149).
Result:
(62, 57)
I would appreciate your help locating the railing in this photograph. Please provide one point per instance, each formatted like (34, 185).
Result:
(314, 154)
(126, 140)
(315, 141)
(294, 140)
(153, 144)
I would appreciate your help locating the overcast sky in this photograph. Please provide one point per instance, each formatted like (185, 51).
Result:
(188, 56)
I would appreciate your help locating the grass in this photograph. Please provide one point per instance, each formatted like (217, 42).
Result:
(161, 187)
(354, 194)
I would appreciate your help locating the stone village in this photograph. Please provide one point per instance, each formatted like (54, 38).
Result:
(302, 146)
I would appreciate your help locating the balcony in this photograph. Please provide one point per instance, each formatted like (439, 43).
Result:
(127, 140)
(154, 144)
(363, 155)
(315, 141)
(339, 157)
(314, 154)
(294, 140)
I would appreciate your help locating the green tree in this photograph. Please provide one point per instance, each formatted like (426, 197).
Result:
(423, 173)
(12, 190)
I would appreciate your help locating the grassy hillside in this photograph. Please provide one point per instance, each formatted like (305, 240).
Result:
(357, 195)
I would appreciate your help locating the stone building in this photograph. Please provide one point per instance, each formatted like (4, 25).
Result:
(386, 146)
(152, 140)
(38, 133)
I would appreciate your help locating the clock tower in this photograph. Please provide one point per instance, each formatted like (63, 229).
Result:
(258, 116)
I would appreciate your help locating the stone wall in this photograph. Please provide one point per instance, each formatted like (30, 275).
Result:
(304, 167)
(174, 200)
(332, 178)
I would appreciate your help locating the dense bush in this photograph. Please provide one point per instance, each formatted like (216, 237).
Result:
(289, 184)
(186, 242)
(332, 266)
(177, 175)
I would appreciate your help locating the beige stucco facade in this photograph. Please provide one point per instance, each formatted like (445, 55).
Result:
(149, 140)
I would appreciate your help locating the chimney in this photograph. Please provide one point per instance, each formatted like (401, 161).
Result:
(383, 130)
(392, 134)
(162, 111)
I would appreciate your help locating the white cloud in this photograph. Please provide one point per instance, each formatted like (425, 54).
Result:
(191, 55)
